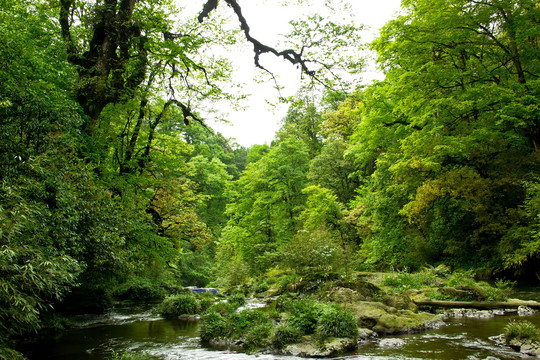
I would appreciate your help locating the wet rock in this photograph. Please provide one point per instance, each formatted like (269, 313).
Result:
(527, 347)
(468, 313)
(331, 347)
(525, 311)
(391, 342)
(365, 334)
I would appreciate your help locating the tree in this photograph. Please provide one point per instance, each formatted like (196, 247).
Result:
(265, 204)
(457, 117)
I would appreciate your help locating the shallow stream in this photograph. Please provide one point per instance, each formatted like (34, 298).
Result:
(136, 329)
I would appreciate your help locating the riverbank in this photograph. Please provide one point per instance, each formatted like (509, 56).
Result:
(296, 319)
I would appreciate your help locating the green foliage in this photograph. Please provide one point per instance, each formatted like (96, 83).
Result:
(181, 304)
(285, 334)
(404, 281)
(222, 307)
(313, 250)
(236, 299)
(304, 315)
(242, 322)
(444, 146)
(336, 322)
(521, 330)
(263, 213)
(136, 288)
(258, 336)
(213, 326)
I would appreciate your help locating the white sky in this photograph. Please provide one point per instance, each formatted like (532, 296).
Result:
(259, 121)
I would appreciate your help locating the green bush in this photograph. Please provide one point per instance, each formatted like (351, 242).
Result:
(223, 308)
(521, 330)
(244, 320)
(258, 336)
(304, 315)
(213, 326)
(461, 277)
(335, 322)
(206, 301)
(500, 291)
(237, 299)
(404, 281)
(139, 289)
(181, 304)
(285, 334)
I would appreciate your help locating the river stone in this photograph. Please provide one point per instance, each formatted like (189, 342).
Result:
(365, 334)
(331, 347)
(387, 320)
(391, 342)
(525, 310)
(468, 313)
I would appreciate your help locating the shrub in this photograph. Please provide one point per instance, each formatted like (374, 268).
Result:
(223, 308)
(521, 330)
(244, 320)
(139, 289)
(405, 281)
(304, 315)
(237, 299)
(176, 305)
(335, 322)
(285, 334)
(500, 291)
(258, 336)
(213, 326)
(206, 300)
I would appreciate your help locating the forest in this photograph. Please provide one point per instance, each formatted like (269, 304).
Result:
(110, 178)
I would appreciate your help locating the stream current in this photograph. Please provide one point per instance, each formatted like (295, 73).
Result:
(135, 329)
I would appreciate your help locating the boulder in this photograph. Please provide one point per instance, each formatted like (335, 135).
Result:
(313, 349)
(384, 319)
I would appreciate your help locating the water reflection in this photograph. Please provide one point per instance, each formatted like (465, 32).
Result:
(136, 329)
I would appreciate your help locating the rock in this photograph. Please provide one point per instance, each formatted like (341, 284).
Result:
(463, 293)
(525, 311)
(523, 346)
(391, 342)
(365, 334)
(344, 295)
(387, 320)
(400, 302)
(468, 313)
(310, 348)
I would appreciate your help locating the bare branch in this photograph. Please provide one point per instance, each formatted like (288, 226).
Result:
(259, 48)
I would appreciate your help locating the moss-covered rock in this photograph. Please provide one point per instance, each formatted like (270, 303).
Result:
(399, 302)
(388, 320)
(463, 293)
(309, 347)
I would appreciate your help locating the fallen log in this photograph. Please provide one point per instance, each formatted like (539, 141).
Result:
(513, 304)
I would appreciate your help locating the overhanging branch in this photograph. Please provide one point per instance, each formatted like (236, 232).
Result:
(259, 48)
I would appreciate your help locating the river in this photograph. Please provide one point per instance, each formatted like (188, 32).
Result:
(136, 329)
